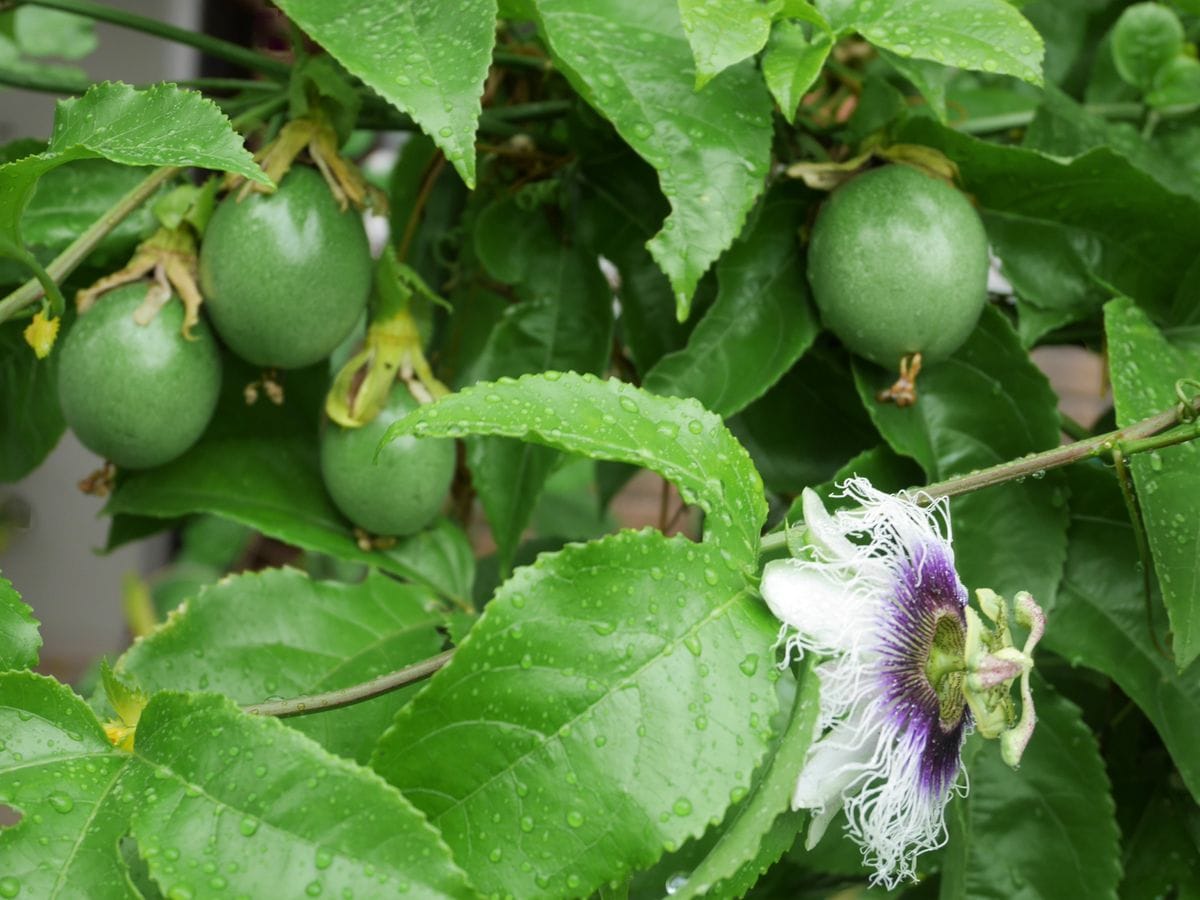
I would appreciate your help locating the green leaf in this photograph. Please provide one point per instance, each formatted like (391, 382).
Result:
(987, 404)
(765, 827)
(564, 321)
(1162, 853)
(425, 62)
(282, 816)
(777, 429)
(678, 439)
(1099, 619)
(31, 421)
(217, 800)
(19, 637)
(1045, 831)
(761, 323)
(59, 770)
(288, 502)
(1062, 127)
(613, 699)
(621, 208)
(1142, 233)
(14, 64)
(72, 197)
(1052, 269)
(162, 125)
(724, 32)
(1146, 37)
(48, 32)
(258, 465)
(301, 637)
(159, 126)
(792, 63)
(985, 35)
(1143, 368)
(929, 78)
(631, 61)
(1176, 84)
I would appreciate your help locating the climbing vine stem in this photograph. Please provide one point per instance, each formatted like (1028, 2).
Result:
(1176, 425)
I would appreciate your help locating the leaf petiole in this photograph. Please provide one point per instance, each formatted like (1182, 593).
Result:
(356, 693)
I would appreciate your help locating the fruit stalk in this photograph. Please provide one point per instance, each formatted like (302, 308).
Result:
(356, 693)
(1152, 433)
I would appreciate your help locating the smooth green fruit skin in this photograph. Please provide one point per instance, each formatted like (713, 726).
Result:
(285, 276)
(138, 395)
(898, 264)
(401, 493)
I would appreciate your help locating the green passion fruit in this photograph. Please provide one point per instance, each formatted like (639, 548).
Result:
(402, 492)
(898, 264)
(286, 275)
(138, 395)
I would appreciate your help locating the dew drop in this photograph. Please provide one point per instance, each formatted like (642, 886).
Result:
(574, 818)
(248, 826)
(60, 802)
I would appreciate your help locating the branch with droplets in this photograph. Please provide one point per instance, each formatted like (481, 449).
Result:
(356, 693)
(1154, 433)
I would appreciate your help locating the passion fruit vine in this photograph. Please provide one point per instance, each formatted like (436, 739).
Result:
(138, 395)
(400, 493)
(285, 275)
(898, 264)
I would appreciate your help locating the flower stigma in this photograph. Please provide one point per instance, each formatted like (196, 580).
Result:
(907, 669)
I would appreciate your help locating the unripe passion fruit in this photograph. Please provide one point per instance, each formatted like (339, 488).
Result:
(400, 494)
(285, 276)
(898, 265)
(138, 395)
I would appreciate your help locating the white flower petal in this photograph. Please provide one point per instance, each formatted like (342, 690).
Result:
(823, 530)
(812, 599)
(836, 761)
